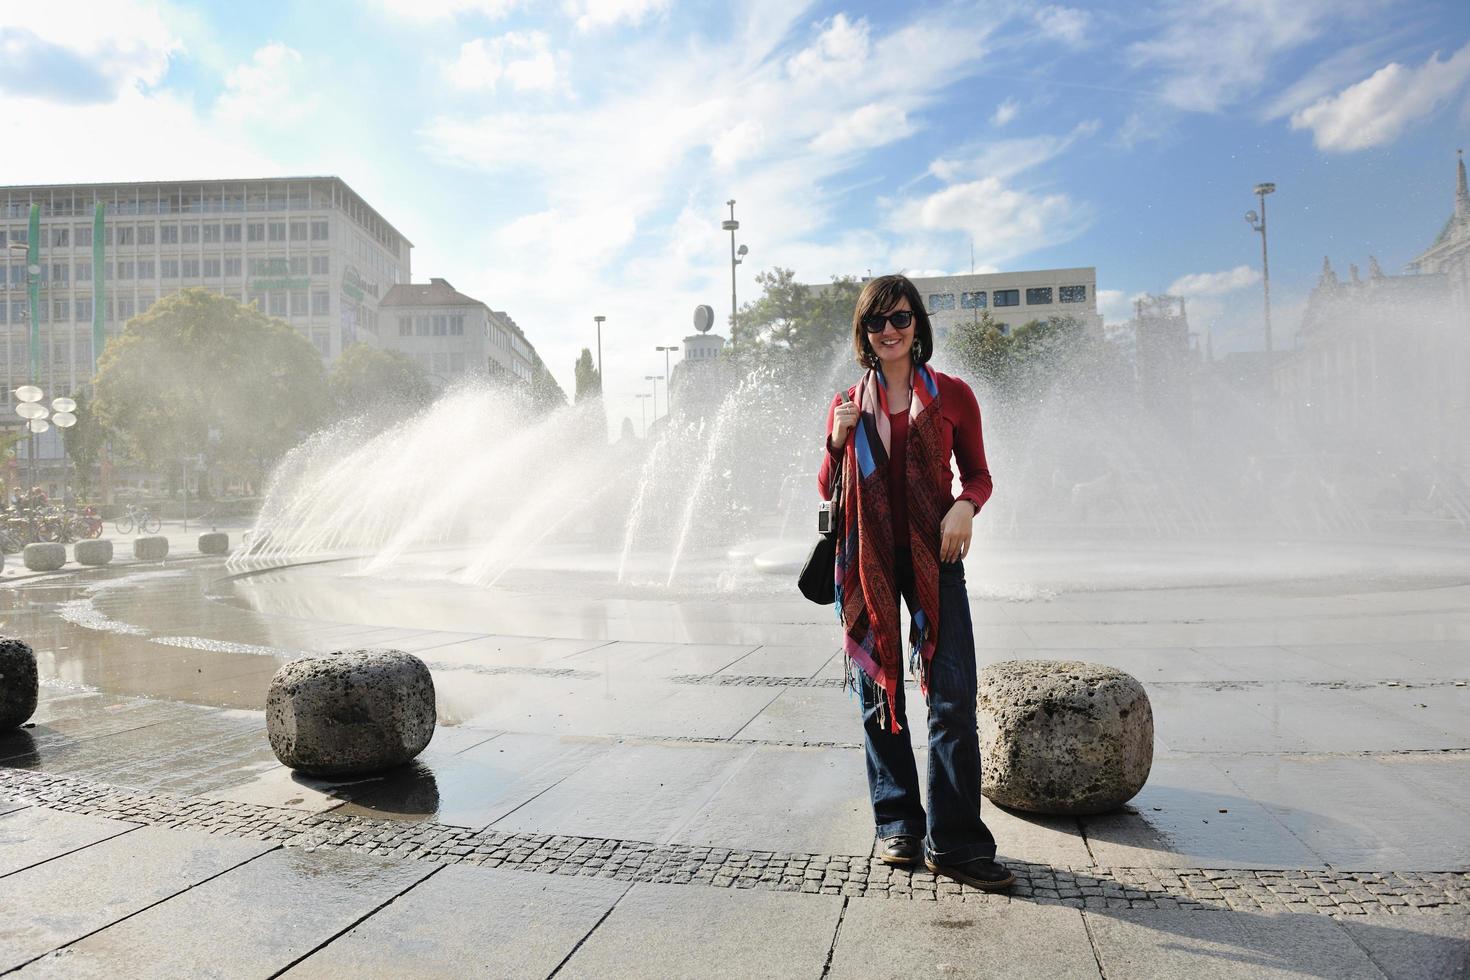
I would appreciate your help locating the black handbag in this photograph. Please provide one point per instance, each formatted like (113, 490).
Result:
(816, 580)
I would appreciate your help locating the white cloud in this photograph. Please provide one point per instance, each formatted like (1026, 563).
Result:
(1069, 25)
(1006, 158)
(1215, 283)
(1213, 53)
(427, 10)
(269, 88)
(592, 14)
(1377, 110)
(1114, 305)
(1005, 112)
(867, 127)
(524, 59)
(840, 52)
(116, 46)
(1005, 222)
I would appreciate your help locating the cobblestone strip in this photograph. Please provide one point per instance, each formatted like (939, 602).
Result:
(1305, 891)
(752, 680)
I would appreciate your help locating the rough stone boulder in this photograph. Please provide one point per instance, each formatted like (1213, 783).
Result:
(19, 683)
(44, 556)
(98, 552)
(214, 543)
(349, 712)
(1063, 737)
(151, 548)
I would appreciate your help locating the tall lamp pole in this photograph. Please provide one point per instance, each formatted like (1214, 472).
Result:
(668, 392)
(599, 320)
(655, 378)
(736, 257)
(1258, 222)
(643, 414)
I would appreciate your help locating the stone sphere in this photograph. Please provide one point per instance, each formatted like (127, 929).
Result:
(350, 712)
(214, 543)
(1063, 737)
(20, 684)
(98, 552)
(44, 556)
(151, 548)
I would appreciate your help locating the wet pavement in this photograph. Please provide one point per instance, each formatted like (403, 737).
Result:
(648, 783)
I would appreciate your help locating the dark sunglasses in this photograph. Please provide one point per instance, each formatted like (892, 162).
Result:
(875, 322)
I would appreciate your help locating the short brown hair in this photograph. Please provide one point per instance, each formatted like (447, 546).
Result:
(879, 296)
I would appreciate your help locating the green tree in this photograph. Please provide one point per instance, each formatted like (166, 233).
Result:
(367, 379)
(84, 442)
(200, 373)
(792, 318)
(589, 381)
(546, 394)
(980, 350)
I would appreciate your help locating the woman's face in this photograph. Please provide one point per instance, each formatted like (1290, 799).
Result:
(893, 345)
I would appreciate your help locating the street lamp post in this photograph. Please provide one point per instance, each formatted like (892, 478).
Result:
(1258, 223)
(643, 414)
(655, 378)
(599, 320)
(38, 419)
(736, 257)
(668, 395)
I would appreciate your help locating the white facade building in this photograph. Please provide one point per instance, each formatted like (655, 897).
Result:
(306, 249)
(452, 334)
(1013, 298)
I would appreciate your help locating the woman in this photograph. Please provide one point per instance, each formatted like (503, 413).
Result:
(905, 535)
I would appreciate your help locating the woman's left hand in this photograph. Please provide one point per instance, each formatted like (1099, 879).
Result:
(954, 531)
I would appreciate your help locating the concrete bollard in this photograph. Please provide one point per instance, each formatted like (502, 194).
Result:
(214, 543)
(98, 552)
(150, 549)
(44, 556)
(350, 712)
(20, 683)
(1063, 737)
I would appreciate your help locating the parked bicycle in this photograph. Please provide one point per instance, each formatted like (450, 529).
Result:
(134, 516)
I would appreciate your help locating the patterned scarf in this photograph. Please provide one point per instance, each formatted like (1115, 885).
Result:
(867, 588)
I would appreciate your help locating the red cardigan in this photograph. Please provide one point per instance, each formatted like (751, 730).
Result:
(960, 436)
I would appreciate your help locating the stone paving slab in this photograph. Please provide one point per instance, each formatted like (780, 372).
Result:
(62, 900)
(1150, 944)
(35, 834)
(470, 922)
(669, 931)
(1417, 947)
(901, 941)
(772, 660)
(259, 918)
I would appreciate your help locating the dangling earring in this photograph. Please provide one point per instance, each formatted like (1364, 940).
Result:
(917, 351)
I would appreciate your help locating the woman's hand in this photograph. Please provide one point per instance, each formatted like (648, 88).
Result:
(844, 418)
(954, 531)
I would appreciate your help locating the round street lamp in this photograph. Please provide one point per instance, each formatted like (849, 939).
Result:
(737, 256)
(599, 320)
(668, 399)
(1258, 223)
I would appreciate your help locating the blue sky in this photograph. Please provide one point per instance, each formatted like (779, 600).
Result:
(566, 158)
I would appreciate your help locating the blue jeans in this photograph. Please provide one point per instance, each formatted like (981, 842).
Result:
(953, 831)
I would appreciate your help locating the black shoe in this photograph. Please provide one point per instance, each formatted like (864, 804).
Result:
(983, 873)
(902, 850)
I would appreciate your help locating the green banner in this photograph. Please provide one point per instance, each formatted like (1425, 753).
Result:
(33, 280)
(99, 298)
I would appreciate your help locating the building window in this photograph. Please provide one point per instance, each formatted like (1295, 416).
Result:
(124, 269)
(405, 326)
(146, 234)
(60, 237)
(298, 231)
(82, 235)
(191, 268)
(278, 304)
(125, 235)
(972, 301)
(1006, 297)
(441, 325)
(60, 272)
(278, 231)
(321, 265)
(169, 268)
(191, 234)
(941, 301)
(421, 326)
(298, 302)
(124, 307)
(60, 310)
(212, 268)
(212, 235)
(321, 303)
(84, 271)
(1038, 296)
(319, 231)
(298, 265)
(232, 232)
(456, 325)
(84, 308)
(1074, 294)
(145, 269)
(255, 231)
(169, 234)
(232, 266)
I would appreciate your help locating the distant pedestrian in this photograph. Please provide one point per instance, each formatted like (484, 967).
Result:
(893, 433)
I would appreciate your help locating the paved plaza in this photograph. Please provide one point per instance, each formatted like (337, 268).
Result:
(631, 783)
